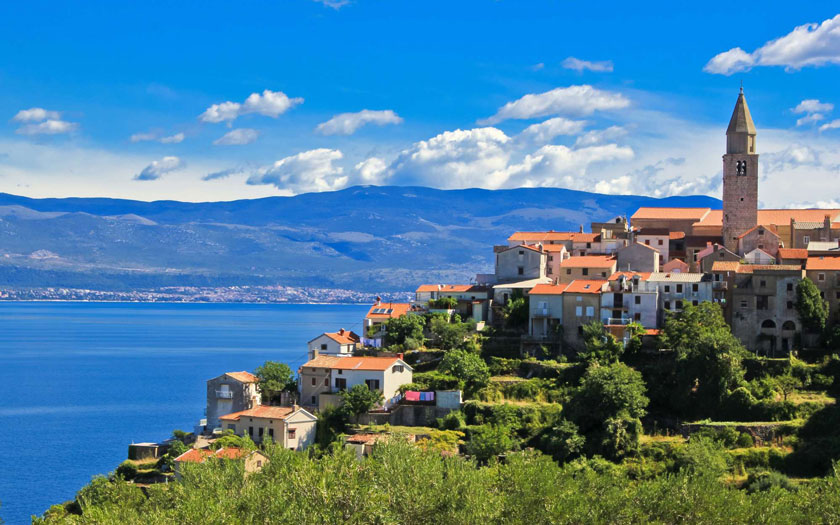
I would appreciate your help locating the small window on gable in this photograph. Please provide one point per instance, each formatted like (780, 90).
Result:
(521, 252)
(323, 347)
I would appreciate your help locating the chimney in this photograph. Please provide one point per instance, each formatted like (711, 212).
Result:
(341, 332)
(400, 355)
(378, 300)
(793, 233)
(581, 228)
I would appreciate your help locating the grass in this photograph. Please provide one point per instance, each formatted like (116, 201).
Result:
(804, 396)
(646, 438)
(396, 429)
(507, 379)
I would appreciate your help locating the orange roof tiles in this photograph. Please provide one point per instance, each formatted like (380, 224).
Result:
(343, 337)
(365, 439)
(352, 363)
(713, 218)
(770, 228)
(455, 288)
(586, 237)
(547, 289)
(388, 310)
(554, 247)
(243, 377)
(262, 411)
(588, 261)
(670, 213)
(541, 236)
(200, 455)
(231, 453)
(726, 266)
(793, 253)
(783, 217)
(585, 286)
(823, 263)
(676, 235)
(629, 275)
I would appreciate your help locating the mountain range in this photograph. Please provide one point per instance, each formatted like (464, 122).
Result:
(361, 238)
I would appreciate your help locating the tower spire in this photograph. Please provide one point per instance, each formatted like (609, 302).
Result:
(740, 135)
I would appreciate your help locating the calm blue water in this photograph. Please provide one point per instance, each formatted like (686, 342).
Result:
(80, 381)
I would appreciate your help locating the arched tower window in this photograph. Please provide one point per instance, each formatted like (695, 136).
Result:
(740, 167)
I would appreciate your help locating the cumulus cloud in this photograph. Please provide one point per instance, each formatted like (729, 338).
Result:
(807, 45)
(269, 103)
(790, 158)
(578, 101)
(599, 136)
(813, 105)
(834, 124)
(156, 137)
(648, 180)
(348, 123)
(545, 131)
(811, 118)
(604, 66)
(554, 165)
(312, 170)
(335, 4)
(35, 115)
(237, 137)
(372, 170)
(158, 168)
(47, 127)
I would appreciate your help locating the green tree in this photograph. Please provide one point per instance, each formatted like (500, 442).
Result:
(359, 399)
(467, 367)
(488, 441)
(810, 307)
(787, 384)
(448, 335)
(599, 345)
(709, 359)
(444, 303)
(563, 441)
(399, 329)
(634, 346)
(607, 408)
(516, 312)
(273, 378)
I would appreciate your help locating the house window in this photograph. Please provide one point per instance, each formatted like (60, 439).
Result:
(326, 381)
(744, 304)
(323, 347)
(762, 283)
(271, 433)
(313, 381)
(694, 302)
(637, 299)
(251, 431)
(695, 287)
(679, 305)
(790, 305)
(822, 295)
(340, 372)
(550, 258)
(660, 242)
(521, 252)
(549, 271)
(520, 270)
(291, 433)
(667, 288)
(821, 277)
(761, 232)
(837, 295)
(314, 401)
(589, 245)
(790, 287)
(679, 288)
(806, 240)
(585, 271)
(259, 463)
(647, 242)
(340, 383)
(762, 302)
(260, 432)
(398, 369)
(667, 305)
(760, 246)
(578, 311)
(590, 311)
(637, 317)
(603, 274)
(372, 384)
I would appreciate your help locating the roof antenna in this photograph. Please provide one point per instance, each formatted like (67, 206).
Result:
(742, 86)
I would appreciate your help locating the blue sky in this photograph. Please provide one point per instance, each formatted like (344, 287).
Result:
(146, 100)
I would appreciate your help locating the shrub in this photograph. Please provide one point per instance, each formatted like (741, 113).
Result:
(454, 420)
(763, 481)
(127, 470)
(745, 440)
(488, 441)
(701, 455)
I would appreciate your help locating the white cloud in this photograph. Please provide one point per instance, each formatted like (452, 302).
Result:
(599, 136)
(335, 4)
(47, 127)
(807, 45)
(813, 105)
(348, 123)
(790, 158)
(580, 100)
(554, 165)
(35, 115)
(604, 66)
(223, 174)
(158, 168)
(312, 170)
(537, 67)
(154, 136)
(269, 103)
(811, 118)
(372, 170)
(545, 131)
(237, 137)
(834, 124)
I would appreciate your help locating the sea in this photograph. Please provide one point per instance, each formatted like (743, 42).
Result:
(82, 381)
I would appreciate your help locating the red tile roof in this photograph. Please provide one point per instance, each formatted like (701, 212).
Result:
(629, 275)
(243, 377)
(547, 289)
(588, 261)
(585, 286)
(676, 235)
(541, 236)
(770, 228)
(726, 266)
(263, 411)
(586, 237)
(365, 439)
(352, 363)
(385, 310)
(200, 455)
(793, 253)
(823, 263)
(343, 337)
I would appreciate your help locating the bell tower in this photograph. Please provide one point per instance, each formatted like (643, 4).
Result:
(740, 175)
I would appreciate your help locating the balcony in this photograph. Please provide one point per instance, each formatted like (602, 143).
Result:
(720, 285)
(623, 321)
(224, 394)
(542, 312)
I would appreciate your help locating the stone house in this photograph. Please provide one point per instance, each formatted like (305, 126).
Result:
(675, 266)
(581, 306)
(759, 256)
(628, 300)
(763, 307)
(324, 376)
(254, 460)
(586, 267)
(713, 253)
(677, 289)
(230, 392)
(545, 304)
(379, 314)
(638, 257)
(658, 239)
(793, 256)
(340, 344)
(473, 300)
(825, 273)
(557, 253)
(520, 263)
(290, 427)
(762, 238)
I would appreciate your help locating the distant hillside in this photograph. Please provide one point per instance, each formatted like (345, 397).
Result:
(361, 238)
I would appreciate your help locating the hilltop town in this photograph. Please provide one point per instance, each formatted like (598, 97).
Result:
(686, 341)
